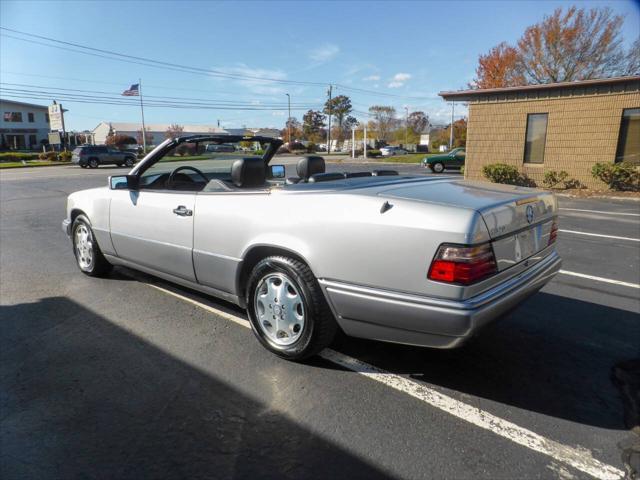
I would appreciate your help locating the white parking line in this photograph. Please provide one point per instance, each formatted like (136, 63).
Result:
(600, 211)
(601, 235)
(600, 279)
(576, 457)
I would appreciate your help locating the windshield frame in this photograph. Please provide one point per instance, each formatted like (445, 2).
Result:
(165, 147)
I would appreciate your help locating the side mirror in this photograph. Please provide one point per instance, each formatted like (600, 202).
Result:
(277, 171)
(124, 182)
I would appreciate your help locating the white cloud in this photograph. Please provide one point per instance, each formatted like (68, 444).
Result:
(371, 78)
(256, 85)
(398, 80)
(324, 53)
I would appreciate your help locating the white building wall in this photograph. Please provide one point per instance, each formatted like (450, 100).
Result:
(19, 133)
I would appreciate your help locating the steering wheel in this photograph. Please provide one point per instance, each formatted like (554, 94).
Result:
(186, 167)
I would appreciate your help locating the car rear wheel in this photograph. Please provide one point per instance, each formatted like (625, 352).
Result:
(438, 167)
(287, 309)
(83, 166)
(128, 162)
(94, 163)
(86, 250)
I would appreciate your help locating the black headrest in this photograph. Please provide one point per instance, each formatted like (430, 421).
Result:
(248, 172)
(310, 165)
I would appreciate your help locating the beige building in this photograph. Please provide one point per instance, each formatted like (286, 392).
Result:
(560, 126)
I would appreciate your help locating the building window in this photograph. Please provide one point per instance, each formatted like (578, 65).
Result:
(536, 137)
(33, 140)
(629, 138)
(15, 142)
(30, 117)
(12, 116)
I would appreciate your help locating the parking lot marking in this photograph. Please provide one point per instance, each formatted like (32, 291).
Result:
(578, 458)
(601, 235)
(600, 211)
(600, 279)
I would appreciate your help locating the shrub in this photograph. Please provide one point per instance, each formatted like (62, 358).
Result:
(65, 156)
(553, 178)
(501, 173)
(17, 156)
(618, 176)
(261, 152)
(508, 174)
(51, 156)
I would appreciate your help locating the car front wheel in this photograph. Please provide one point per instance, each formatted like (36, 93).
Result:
(287, 309)
(86, 250)
(438, 167)
(94, 163)
(128, 162)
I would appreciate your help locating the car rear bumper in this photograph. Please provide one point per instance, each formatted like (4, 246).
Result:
(431, 322)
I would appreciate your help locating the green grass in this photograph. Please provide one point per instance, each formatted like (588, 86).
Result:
(409, 158)
(30, 163)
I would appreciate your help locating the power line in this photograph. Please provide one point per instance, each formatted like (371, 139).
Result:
(206, 100)
(112, 55)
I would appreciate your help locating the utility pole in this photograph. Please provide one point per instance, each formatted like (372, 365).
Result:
(329, 130)
(364, 142)
(406, 128)
(451, 133)
(289, 117)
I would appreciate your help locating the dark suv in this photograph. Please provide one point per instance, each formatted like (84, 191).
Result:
(93, 156)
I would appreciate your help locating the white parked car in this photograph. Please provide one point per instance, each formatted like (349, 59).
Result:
(391, 151)
(407, 259)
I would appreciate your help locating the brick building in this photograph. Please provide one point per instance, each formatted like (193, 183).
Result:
(559, 126)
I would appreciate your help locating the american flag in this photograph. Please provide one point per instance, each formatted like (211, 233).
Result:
(133, 91)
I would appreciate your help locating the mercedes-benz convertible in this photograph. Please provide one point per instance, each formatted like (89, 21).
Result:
(417, 260)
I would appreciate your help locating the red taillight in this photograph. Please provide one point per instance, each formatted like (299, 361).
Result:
(465, 265)
(554, 232)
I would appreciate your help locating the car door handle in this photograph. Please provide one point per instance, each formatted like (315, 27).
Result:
(183, 211)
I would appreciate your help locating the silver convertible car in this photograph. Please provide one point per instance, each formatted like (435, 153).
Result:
(408, 259)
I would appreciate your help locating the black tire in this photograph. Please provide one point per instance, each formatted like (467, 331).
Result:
(319, 324)
(83, 166)
(438, 167)
(99, 265)
(129, 162)
(94, 163)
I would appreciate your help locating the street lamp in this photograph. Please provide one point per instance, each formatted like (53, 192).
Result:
(289, 117)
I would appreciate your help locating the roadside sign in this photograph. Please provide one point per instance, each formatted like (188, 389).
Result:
(56, 117)
(54, 138)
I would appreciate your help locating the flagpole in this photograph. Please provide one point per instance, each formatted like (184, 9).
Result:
(144, 132)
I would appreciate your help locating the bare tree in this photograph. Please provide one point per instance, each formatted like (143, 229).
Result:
(384, 119)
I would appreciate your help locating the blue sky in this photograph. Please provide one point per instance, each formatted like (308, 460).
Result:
(406, 49)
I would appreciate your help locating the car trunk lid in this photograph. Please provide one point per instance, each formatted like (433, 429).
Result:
(518, 219)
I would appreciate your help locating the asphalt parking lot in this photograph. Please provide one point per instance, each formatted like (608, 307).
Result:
(129, 377)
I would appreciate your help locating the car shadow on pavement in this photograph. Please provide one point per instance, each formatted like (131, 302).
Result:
(553, 355)
(83, 398)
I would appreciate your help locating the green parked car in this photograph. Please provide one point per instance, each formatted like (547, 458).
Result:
(453, 159)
